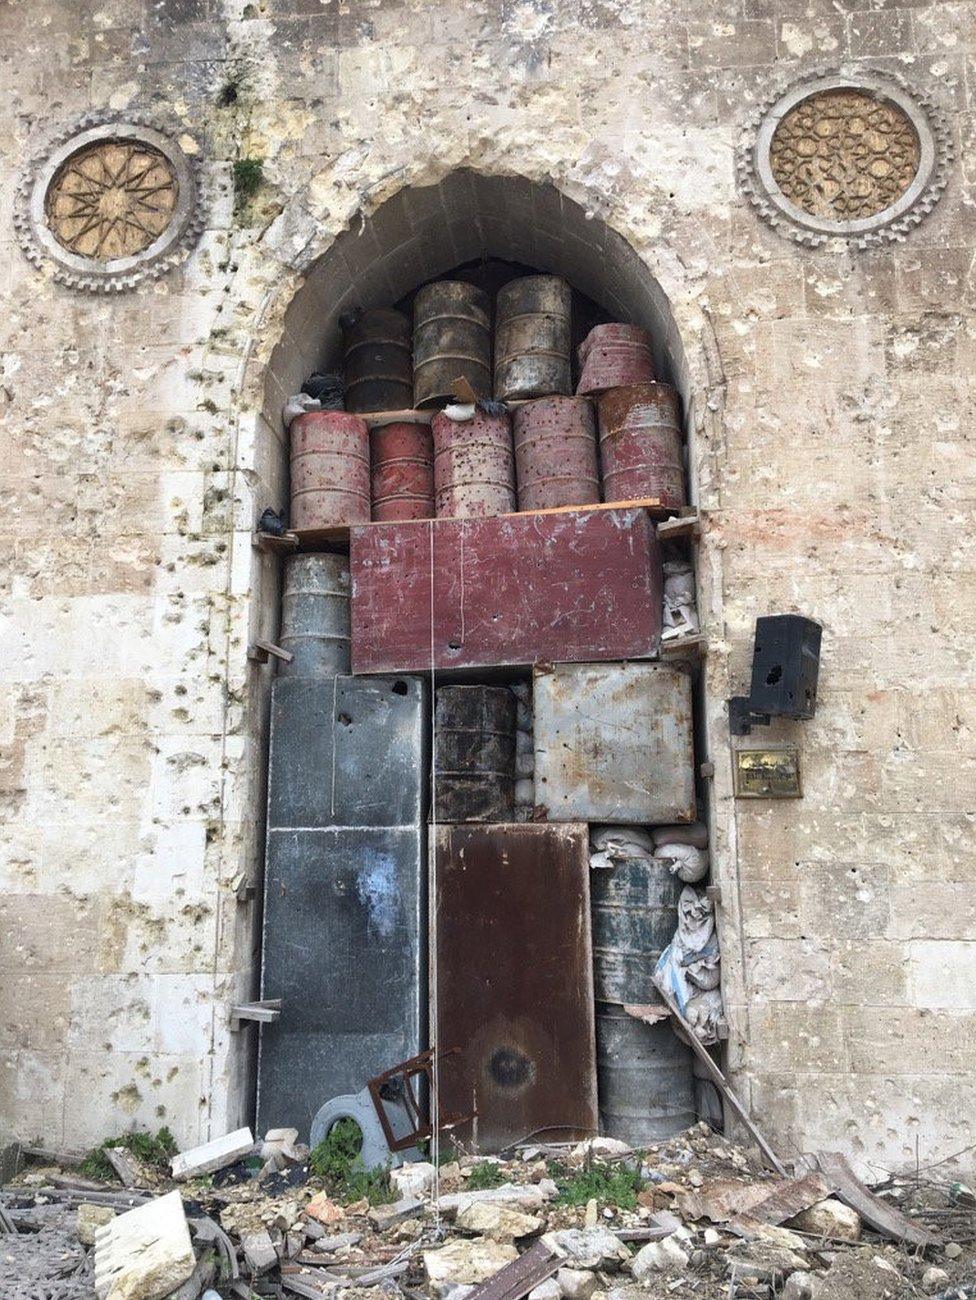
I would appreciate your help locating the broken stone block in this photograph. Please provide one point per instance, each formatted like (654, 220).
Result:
(218, 1154)
(90, 1219)
(577, 1283)
(829, 1218)
(601, 1148)
(340, 1241)
(588, 1247)
(413, 1179)
(145, 1253)
(323, 1210)
(934, 1279)
(547, 1290)
(260, 1255)
(11, 1160)
(385, 1216)
(467, 1261)
(659, 1257)
(500, 1222)
(532, 1196)
(798, 1286)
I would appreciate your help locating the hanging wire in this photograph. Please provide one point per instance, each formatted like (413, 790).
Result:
(435, 1077)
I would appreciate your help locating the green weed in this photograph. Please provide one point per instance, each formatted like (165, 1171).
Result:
(485, 1174)
(248, 174)
(154, 1151)
(606, 1184)
(336, 1160)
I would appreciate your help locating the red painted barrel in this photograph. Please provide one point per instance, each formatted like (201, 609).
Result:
(329, 470)
(555, 453)
(402, 457)
(640, 444)
(614, 356)
(474, 466)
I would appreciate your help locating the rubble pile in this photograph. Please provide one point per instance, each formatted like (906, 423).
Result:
(694, 1216)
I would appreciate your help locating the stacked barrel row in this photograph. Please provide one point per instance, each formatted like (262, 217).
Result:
(538, 446)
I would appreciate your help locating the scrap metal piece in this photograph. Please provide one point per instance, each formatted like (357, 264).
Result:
(883, 1217)
(397, 1104)
(521, 1276)
(515, 982)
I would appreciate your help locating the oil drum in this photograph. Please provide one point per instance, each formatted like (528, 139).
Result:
(615, 356)
(474, 729)
(644, 1078)
(533, 338)
(315, 616)
(474, 465)
(379, 371)
(555, 453)
(640, 444)
(451, 340)
(402, 471)
(634, 907)
(329, 470)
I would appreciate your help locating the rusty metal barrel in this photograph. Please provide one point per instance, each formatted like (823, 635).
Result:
(315, 616)
(555, 453)
(640, 444)
(451, 340)
(402, 471)
(379, 365)
(634, 908)
(474, 728)
(533, 338)
(615, 356)
(644, 1078)
(474, 465)
(329, 470)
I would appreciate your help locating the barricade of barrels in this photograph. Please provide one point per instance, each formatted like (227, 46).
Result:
(616, 438)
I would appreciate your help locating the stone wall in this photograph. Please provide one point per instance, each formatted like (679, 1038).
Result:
(830, 406)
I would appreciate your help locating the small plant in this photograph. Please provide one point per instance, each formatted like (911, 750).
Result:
(248, 174)
(154, 1151)
(337, 1161)
(606, 1184)
(485, 1174)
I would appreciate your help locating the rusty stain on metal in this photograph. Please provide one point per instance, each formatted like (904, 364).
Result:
(640, 444)
(451, 337)
(533, 338)
(555, 453)
(474, 465)
(515, 991)
(475, 754)
(329, 470)
(613, 743)
(402, 458)
(613, 356)
(379, 367)
(574, 586)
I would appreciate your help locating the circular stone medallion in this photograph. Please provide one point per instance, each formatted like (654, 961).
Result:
(110, 203)
(846, 157)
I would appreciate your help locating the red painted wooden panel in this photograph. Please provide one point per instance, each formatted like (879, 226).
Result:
(515, 982)
(574, 586)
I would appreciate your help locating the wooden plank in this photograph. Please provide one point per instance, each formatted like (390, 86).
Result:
(521, 1276)
(884, 1218)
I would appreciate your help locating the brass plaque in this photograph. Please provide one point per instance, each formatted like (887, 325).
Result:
(766, 773)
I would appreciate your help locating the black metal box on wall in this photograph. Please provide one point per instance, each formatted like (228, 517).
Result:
(785, 666)
(344, 937)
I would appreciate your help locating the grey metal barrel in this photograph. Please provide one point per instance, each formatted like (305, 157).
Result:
(644, 1078)
(474, 728)
(315, 615)
(379, 369)
(533, 338)
(451, 340)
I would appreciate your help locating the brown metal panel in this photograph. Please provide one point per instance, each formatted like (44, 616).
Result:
(640, 444)
(329, 470)
(517, 589)
(515, 982)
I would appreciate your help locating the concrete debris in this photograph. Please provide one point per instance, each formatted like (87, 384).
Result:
(90, 1219)
(467, 1260)
(500, 1222)
(213, 1155)
(659, 1257)
(413, 1179)
(576, 1283)
(934, 1279)
(131, 1171)
(324, 1210)
(146, 1253)
(798, 1286)
(829, 1218)
(528, 1197)
(588, 1247)
(547, 1290)
(385, 1216)
(602, 1148)
(260, 1255)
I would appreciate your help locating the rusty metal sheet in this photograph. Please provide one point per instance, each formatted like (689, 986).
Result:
(515, 982)
(566, 586)
(883, 1217)
(521, 1276)
(613, 743)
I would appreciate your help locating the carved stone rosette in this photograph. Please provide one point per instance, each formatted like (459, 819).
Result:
(855, 157)
(109, 202)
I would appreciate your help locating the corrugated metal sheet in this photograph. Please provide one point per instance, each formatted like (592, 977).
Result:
(515, 990)
(613, 743)
(344, 941)
(519, 589)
